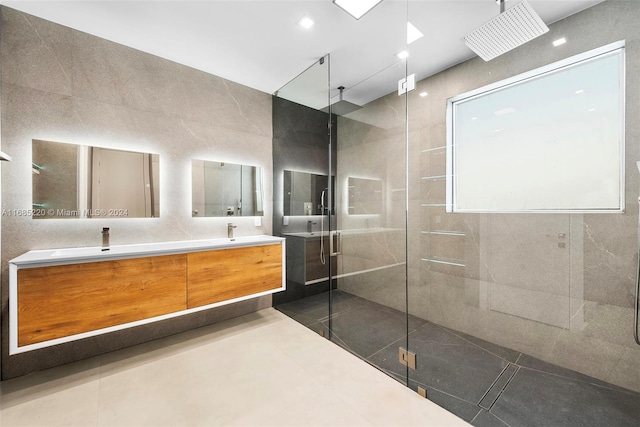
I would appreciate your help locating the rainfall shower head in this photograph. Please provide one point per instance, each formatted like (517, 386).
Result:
(510, 29)
(341, 107)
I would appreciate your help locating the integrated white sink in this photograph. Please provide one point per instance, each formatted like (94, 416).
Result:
(134, 248)
(70, 256)
(96, 253)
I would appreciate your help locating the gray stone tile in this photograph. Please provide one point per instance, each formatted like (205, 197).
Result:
(366, 339)
(487, 419)
(538, 365)
(465, 410)
(297, 291)
(120, 75)
(503, 352)
(35, 53)
(535, 398)
(318, 327)
(414, 322)
(445, 363)
(453, 365)
(297, 316)
(363, 316)
(343, 301)
(316, 307)
(457, 369)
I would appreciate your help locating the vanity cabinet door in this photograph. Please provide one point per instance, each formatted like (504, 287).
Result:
(64, 300)
(225, 274)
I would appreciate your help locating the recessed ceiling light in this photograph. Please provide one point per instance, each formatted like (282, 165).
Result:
(423, 94)
(356, 8)
(413, 33)
(474, 118)
(306, 22)
(591, 109)
(403, 55)
(579, 91)
(497, 130)
(559, 42)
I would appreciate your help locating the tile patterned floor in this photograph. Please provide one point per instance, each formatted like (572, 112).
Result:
(485, 384)
(263, 369)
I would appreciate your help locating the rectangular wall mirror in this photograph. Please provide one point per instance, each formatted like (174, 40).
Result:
(80, 181)
(303, 193)
(226, 189)
(365, 196)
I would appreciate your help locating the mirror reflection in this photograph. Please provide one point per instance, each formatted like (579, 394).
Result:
(365, 196)
(226, 189)
(79, 181)
(306, 193)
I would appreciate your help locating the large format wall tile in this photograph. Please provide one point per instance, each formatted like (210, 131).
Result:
(556, 286)
(526, 252)
(609, 270)
(35, 53)
(115, 74)
(62, 85)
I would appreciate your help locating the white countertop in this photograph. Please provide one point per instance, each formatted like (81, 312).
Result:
(95, 253)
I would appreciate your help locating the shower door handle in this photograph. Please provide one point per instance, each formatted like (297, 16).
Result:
(637, 302)
(335, 241)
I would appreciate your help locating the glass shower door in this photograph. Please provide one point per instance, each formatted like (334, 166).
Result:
(347, 276)
(301, 206)
(368, 244)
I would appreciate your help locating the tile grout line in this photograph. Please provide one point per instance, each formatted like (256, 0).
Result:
(440, 391)
(386, 347)
(474, 418)
(518, 359)
(569, 378)
(625, 391)
(500, 419)
(479, 346)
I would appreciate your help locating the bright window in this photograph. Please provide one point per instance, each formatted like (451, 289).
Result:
(548, 140)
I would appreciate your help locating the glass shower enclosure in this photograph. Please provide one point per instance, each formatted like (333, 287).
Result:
(498, 317)
(347, 241)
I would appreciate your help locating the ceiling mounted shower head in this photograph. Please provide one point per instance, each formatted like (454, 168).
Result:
(512, 28)
(341, 107)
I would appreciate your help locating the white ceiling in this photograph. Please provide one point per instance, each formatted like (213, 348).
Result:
(258, 43)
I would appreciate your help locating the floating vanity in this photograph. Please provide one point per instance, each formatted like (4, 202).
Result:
(303, 257)
(61, 295)
(358, 251)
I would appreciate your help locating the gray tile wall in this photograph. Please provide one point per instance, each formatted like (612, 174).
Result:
(300, 143)
(515, 286)
(62, 85)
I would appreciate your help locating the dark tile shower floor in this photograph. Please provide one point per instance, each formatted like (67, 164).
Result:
(483, 383)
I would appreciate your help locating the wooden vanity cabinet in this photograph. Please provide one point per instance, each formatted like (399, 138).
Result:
(83, 299)
(63, 300)
(214, 276)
